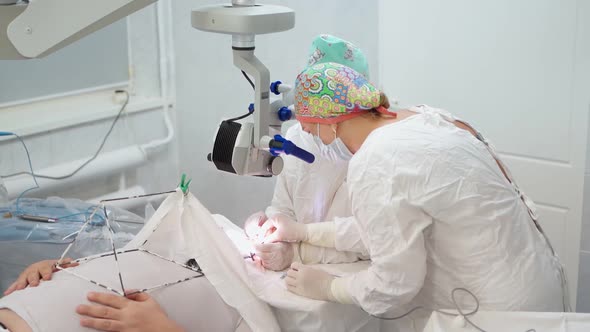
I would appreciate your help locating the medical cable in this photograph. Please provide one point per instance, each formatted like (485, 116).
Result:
(249, 80)
(19, 211)
(251, 109)
(239, 117)
(30, 166)
(35, 176)
(457, 306)
(121, 110)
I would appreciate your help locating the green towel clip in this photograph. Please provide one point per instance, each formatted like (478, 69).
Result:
(184, 184)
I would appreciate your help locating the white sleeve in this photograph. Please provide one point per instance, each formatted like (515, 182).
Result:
(392, 226)
(310, 254)
(282, 200)
(348, 236)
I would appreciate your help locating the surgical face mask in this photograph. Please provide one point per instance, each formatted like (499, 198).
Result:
(335, 151)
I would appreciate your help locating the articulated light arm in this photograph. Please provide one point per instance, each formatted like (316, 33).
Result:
(248, 148)
(249, 63)
(38, 28)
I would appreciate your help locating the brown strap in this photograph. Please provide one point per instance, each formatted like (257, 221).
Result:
(479, 136)
(476, 134)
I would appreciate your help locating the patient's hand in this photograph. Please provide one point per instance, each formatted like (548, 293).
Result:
(36, 272)
(137, 312)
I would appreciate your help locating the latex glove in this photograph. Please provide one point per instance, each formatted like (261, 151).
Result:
(134, 313)
(252, 226)
(37, 272)
(281, 228)
(309, 282)
(275, 256)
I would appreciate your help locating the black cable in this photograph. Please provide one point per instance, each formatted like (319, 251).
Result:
(89, 160)
(239, 117)
(249, 80)
(249, 113)
(465, 315)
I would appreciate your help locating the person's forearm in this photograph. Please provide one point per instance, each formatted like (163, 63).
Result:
(175, 328)
(309, 254)
(348, 237)
(13, 322)
(340, 292)
(321, 234)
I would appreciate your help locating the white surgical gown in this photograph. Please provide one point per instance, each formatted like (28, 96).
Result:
(436, 213)
(317, 192)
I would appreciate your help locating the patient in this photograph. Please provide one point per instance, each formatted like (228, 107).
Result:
(181, 229)
(50, 306)
(188, 306)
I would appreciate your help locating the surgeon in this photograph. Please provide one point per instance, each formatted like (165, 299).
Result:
(312, 193)
(435, 207)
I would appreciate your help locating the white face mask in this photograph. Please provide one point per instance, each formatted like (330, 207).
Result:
(335, 151)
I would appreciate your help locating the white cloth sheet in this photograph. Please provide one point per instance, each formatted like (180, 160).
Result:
(511, 322)
(296, 313)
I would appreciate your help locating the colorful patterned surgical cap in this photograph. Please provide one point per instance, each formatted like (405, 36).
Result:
(331, 93)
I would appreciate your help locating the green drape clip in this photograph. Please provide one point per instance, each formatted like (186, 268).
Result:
(184, 183)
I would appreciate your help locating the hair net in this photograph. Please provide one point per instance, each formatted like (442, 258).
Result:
(327, 48)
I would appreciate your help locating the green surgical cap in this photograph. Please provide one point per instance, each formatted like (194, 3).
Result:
(327, 48)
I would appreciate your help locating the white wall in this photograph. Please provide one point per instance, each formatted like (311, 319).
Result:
(210, 88)
(584, 275)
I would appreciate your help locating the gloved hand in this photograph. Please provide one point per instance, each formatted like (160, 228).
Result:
(309, 282)
(275, 256)
(283, 229)
(253, 224)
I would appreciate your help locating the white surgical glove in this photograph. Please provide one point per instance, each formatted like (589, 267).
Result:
(283, 229)
(253, 224)
(275, 256)
(309, 282)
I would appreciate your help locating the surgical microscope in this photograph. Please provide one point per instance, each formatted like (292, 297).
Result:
(37, 28)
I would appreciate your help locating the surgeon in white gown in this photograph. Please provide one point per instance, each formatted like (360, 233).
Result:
(435, 206)
(317, 192)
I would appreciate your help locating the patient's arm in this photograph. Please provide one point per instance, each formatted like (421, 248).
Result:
(52, 305)
(36, 272)
(138, 312)
(13, 322)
